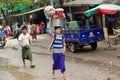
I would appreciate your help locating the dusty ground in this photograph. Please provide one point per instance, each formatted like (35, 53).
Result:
(86, 64)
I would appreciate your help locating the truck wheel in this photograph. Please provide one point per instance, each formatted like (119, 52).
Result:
(73, 47)
(67, 45)
(81, 47)
(94, 45)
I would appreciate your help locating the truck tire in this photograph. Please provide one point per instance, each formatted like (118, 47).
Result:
(73, 47)
(67, 44)
(94, 45)
(81, 47)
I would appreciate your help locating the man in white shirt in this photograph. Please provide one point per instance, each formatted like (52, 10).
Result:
(25, 42)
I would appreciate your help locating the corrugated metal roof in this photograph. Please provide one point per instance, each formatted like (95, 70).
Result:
(81, 2)
(90, 2)
(117, 2)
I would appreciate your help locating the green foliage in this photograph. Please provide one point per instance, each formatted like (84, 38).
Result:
(12, 3)
(41, 3)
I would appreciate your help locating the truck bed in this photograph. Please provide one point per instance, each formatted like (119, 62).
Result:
(85, 36)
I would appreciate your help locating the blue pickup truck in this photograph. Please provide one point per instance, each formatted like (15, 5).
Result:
(77, 37)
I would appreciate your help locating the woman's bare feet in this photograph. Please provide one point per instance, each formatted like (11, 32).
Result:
(64, 76)
(66, 79)
(53, 75)
(24, 66)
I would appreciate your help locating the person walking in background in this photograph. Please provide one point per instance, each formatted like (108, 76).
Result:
(59, 47)
(25, 42)
(16, 36)
(34, 36)
(8, 30)
(38, 29)
(17, 32)
(29, 27)
(42, 27)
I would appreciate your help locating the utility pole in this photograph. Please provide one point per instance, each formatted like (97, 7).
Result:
(51, 2)
(70, 11)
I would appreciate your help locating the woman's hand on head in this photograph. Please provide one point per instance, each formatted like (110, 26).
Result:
(50, 19)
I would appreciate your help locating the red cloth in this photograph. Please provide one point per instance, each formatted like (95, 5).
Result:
(60, 13)
(8, 31)
(42, 25)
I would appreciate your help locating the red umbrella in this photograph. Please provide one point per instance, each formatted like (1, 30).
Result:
(103, 9)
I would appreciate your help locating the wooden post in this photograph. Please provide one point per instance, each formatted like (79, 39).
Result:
(104, 28)
(100, 23)
(70, 11)
(87, 21)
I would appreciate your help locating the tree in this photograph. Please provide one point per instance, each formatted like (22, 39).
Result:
(10, 5)
(41, 3)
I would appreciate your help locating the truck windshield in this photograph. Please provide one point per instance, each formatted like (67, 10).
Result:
(76, 25)
(80, 25)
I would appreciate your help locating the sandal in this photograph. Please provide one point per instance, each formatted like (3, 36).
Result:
(32, 66)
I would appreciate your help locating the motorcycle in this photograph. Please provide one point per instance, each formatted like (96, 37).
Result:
(2, 38)
(2, 42)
